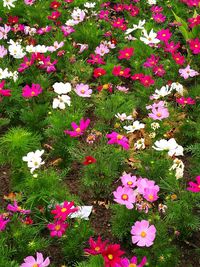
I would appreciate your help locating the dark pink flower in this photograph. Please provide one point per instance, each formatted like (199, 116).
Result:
(194, 187)
(112, 255)
(133, 262)
(195, 45)
(178, 58)
(4, 92)
(171, 47)
(147, 81)
(151, 61)
(117, 71)
(116, 138)
(194, 21)
(185, 101)
(34, 90)
(57, 228)
(63, 211)
(164, 35)
(78, 129)
(126, 53)
(26, 63)
(96, 59)
(96, 247)
(16, 208)
(3, 222)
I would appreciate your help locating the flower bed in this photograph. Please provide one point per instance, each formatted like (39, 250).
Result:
(100, 133)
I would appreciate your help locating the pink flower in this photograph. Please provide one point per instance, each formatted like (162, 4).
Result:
(67, 30)
(117, 71)
(96, 59)
(47, 64)
(159, 18)
(194, 187)
(144, 183)
(156, 9)
(150, 194)
(96, 247)
(104, 15)
(171, 47)
(159, 113)
(126, 53)
(54, 15)
(34, 90)
(57, 228)
(63, 211)
(78, 129)
(133, 262)
(112, 255)
(159, 70)
(3, 51)
(151, 61)
(118, 23)
(143, 233)
(83, 90)
(164, 35)
(194, 21)
(188, 72)
(4, 92)
(119, 139)
(26, 63)
(195, 45)
(30, 261)
(124, 196)
(3, 223)
(16, 208)
(98, 72)
(128, 180)
(29, 2)
(147, 80)
(185, 101)
(102, 50)
(44, 30)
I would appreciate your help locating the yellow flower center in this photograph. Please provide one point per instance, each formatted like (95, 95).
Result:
(97, 249)
(143, 234)
(119, 136)
(127, 54)
(63, 209)
(83, 91)
(57, 227)
(132, 265)
(124, 196)
(32, 93)
(151, 197)
(159, 114)
(35, 265)
(130, 183)
(121, 72)
(110, 257)
(105, 86)
(78, 130)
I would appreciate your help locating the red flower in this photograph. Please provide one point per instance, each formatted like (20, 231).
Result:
(112, 255)
(126, 53)
(178, 58)
(98, 72)
(89, 160)
(117, 71)
(96, 247)
(54, 15)
(13, 19)
(55, 5)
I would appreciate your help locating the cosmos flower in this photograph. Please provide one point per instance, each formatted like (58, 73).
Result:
(116, 138)
(30, 261)
(125, 196)
(78, 130)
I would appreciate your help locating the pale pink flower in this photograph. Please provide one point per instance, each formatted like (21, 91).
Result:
(3, 51)
(30, 261)
(187, 72)
(102, 50)
(124, 196)
(83, 90)
(143, 233)
(128, 180)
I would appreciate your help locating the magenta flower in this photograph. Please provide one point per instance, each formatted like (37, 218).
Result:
(3, 223)
(126, 53)
(194, 21)
(159, 70)
(187, 72)
(30, 261)
(29, 2)
(119, 139)
(29, 92)
(185, 101)
(159, 18)
(67, 30)
(133, 262)
(47, 64)
(194, 187)
(4, 92)
(124, 196)
(150, 194)
(195, 45)
(164, 35)
(78, 129)
(159, 113)
(63, 211)
(57, 228)
(26, 63)
(151, 61)
(95, 59)
(128, 180)
(143, 233)
(83, 90)
(171, 47)
(96, 247)
(16, 208)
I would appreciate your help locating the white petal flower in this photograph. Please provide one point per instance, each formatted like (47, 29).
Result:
(169, 145)
(62, 88)
(149, 38)
(136, 126)
(34, 160)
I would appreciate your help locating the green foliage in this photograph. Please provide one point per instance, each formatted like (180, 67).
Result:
(94, 261)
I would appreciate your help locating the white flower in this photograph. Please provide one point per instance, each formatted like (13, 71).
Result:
(16, 49)
(155, 125)
(78, 15)
(178, 87)
(123, 117)
(62, 88)
(60, 101)
(178, 166)
(164, 91)
(30, 49)
(149, 38)
(169, 145)
(71, 22)
(34, 160)
(83, 212)
(135, 27)
(41, 49)
(140, 144)
(89, 5)
(152, 2)
(9, 3)
(136, 126)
